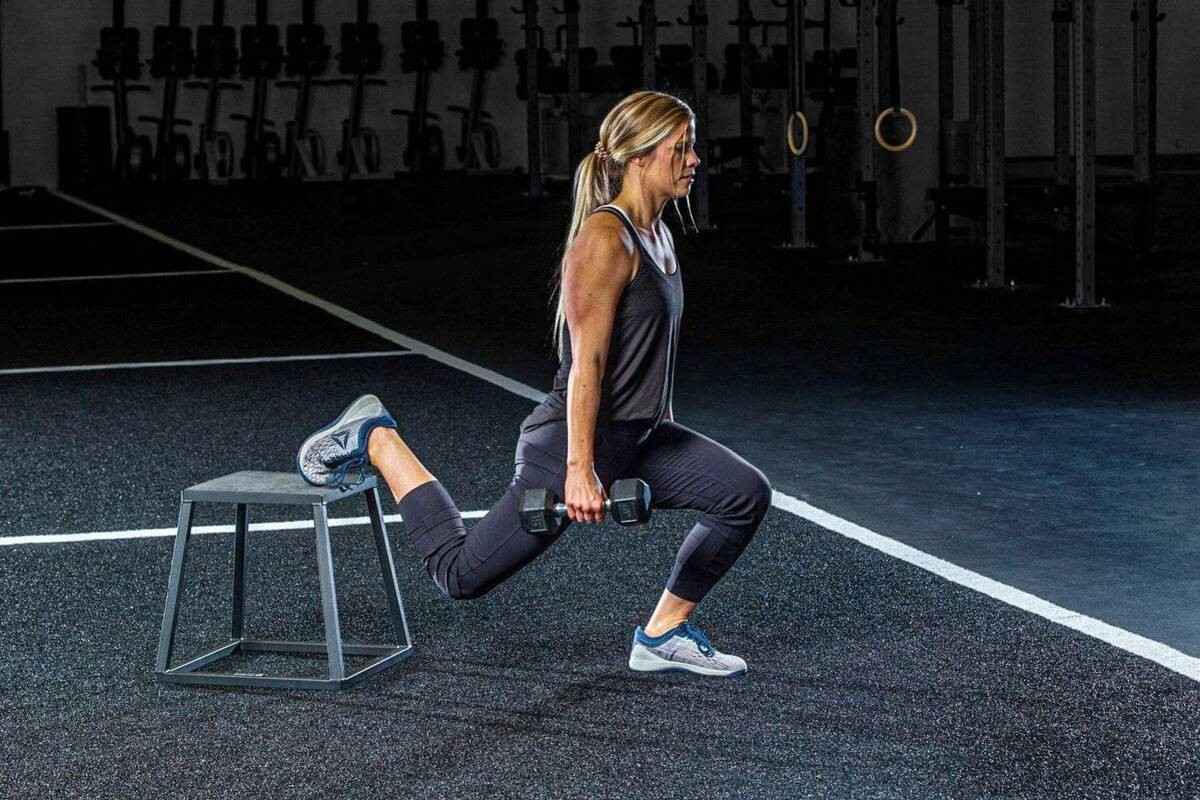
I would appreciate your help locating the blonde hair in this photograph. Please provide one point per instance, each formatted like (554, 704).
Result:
(633, 127)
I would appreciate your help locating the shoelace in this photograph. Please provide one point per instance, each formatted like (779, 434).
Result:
(339, 477)
(697, 636)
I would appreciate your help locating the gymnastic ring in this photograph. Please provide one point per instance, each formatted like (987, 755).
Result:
(912, 136)
(791, 133)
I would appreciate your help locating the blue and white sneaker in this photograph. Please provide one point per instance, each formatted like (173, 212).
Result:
(684, 648)
(328, 455)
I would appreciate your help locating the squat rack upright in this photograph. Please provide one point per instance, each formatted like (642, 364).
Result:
(5, 163)
(983, 192)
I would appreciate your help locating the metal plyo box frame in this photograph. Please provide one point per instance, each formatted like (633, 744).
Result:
(242, 489)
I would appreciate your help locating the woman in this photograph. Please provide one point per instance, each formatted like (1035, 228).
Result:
(609, 416)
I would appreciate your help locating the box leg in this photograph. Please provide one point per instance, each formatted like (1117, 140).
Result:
(390, 585)
(166, 639)
(329, 609)
(239, 569)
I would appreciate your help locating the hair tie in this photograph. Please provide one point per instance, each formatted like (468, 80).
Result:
(601, 152)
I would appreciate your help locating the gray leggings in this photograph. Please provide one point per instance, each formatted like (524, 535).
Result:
(685, 470)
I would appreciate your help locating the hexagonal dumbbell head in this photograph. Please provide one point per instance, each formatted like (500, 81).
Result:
(629, 501)
(537, 511)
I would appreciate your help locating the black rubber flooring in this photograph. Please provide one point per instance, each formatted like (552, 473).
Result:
(887, 397)
(869, 678)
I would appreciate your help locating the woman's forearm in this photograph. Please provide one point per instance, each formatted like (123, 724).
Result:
(583, 404)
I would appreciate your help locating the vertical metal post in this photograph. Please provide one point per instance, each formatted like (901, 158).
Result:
(388, 566)
(1063, 13)
(945, 40)
(329, 608)
(698, 19)
(1145, 114)
(5, 159)
(994, 119)
(1145, 89)
(746, 91)
(477, 145)
(419, 121)
(887, 190)
(648, 15)
(868, 108)
(533, 115)
(1063, 178)
(1085, 152)
(797, 165)
(575, 143)
(827, 29)
(975, 11)
(239, 568)
(166, 637)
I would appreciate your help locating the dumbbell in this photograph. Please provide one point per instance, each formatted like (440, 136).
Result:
(628, 502)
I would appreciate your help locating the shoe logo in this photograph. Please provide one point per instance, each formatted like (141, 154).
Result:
(342, 438)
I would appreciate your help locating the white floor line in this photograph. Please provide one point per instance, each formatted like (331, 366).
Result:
(344, 314)
(1159, 653)
(57, 226)
(208, 362)
(162, 533)
(121, 276)
(1120, 638)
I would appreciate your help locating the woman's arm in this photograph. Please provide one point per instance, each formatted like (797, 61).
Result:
(597, 269)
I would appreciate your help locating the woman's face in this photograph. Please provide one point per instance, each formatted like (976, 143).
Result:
(674, 163)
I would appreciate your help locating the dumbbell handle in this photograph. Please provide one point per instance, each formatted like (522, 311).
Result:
(616, 490)
(560, 509)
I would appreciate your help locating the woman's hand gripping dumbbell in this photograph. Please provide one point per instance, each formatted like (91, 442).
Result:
(628, 503)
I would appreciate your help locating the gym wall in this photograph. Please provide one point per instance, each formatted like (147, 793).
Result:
(46, 40)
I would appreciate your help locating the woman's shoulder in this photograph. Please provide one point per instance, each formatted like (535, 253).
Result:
(605, 218)
(604, 246)
(606, 233)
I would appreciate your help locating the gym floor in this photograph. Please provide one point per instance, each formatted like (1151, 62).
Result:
(978, 580)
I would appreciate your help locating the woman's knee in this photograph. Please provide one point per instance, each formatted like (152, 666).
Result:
(749, 499)
(761, 494)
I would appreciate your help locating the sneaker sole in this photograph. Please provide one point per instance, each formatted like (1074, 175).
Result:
(322, 432)
(641, 660)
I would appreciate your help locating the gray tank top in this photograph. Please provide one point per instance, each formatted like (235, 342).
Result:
(639, 374)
